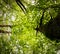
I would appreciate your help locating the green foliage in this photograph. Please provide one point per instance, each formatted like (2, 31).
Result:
(23, 39)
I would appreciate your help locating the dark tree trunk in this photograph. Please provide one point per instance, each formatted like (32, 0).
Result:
(52, 28)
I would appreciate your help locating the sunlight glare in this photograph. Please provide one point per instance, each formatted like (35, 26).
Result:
(13, 18)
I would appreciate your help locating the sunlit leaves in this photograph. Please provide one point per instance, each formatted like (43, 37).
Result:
(23, 39)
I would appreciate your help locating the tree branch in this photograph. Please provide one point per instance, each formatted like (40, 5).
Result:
(21, 5)
(42, 18)
(2, 31)
(6, 25)
(50, 6)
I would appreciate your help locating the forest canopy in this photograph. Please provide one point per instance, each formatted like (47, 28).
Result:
(29, 26)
